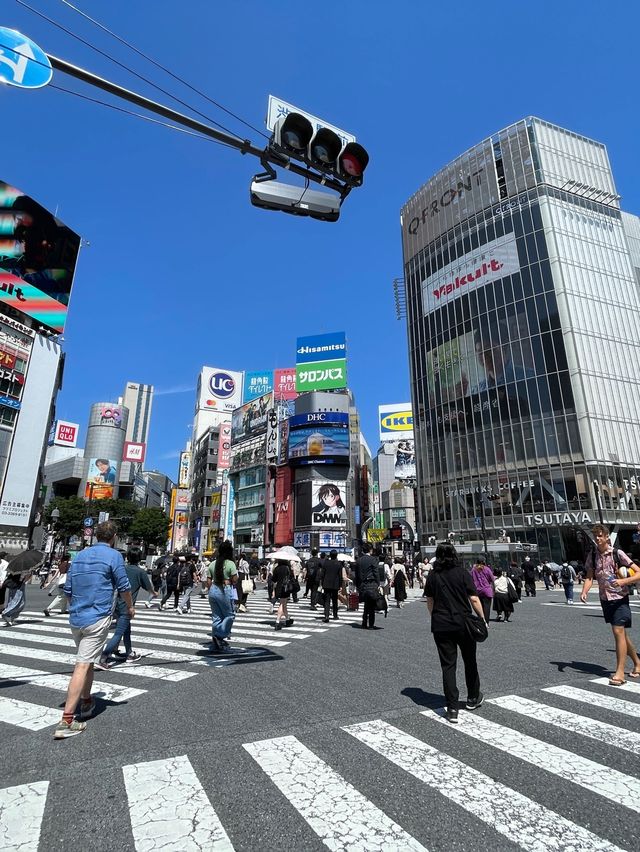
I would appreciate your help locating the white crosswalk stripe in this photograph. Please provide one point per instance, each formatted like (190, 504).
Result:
(171, 808)
(334, 809)
(24, 714)
(21, 813)
(606, 782)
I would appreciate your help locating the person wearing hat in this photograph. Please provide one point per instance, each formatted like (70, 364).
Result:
(223, 574)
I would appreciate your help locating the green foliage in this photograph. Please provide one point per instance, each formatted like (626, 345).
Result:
(73, 510)
(150, 525)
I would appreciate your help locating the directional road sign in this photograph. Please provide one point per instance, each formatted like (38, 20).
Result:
(22, 62)
(88, 522)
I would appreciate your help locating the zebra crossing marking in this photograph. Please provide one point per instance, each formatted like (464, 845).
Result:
(24, 714)
(510, 813)
(338, 813)
(606, 782)
(626, 687)
(606, 702)
(602, 731)
(21, 813)
(50, 680)
(169, 808)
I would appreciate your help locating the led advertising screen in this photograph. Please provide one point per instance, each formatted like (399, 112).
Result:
(328, 504)
(250, 420)
(38, 256)
(318, 444)
(101, 479)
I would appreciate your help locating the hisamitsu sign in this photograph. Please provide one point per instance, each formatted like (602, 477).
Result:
(321, 347)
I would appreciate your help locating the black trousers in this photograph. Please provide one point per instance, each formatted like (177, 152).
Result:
(518, 585)
(447, 645)
(331, 599)
(167, 595)
(313, 588)
(369, 613)
(530, 588)
(486, 606)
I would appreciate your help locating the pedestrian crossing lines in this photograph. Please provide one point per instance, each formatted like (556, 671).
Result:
(174, 804)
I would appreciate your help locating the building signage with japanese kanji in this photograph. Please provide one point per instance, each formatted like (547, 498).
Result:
(321, 375)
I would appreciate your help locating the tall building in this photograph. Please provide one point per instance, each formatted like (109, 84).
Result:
(37, 262)
(103, 451)
(138, 400)
(523, 281)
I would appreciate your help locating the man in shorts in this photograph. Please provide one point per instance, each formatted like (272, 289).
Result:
(604, 564)
(91, 580)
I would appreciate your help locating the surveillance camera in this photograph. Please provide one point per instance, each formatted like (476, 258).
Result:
(273, 195)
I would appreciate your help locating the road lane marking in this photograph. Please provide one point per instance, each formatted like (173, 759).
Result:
(606, 702)
(606, 782)
(50, 680)
(515, 816)
(170, 810)
(24, 714)
(341, 816)
(627, 687)
(21, 812)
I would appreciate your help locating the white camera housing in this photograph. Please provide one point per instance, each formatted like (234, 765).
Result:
(273, 195)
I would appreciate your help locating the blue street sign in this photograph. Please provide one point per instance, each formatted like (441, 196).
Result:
(22, 62)
(478, 522)
(88, 522)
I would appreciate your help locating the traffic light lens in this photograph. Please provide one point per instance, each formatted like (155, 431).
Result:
(320, 152)
(292, 139)
(351, 165)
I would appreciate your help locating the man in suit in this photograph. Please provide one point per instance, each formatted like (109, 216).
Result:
(369, 578)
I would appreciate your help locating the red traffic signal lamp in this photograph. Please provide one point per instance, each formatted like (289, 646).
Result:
(322, 149)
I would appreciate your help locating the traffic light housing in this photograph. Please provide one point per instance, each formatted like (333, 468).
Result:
(321, 149)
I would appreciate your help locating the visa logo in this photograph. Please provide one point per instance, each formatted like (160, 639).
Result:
(397, 422)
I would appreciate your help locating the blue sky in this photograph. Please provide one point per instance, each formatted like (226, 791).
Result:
(182, 271)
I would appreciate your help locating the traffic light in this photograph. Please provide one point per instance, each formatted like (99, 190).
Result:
(322, 149)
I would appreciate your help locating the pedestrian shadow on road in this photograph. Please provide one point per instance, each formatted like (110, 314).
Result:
(422, 698)
(579, 666)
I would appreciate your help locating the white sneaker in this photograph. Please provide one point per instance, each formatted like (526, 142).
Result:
(147, 605)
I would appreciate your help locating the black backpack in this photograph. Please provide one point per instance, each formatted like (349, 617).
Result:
(565, 573)
(184, 577)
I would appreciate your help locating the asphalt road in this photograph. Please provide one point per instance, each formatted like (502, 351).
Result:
(408, 781)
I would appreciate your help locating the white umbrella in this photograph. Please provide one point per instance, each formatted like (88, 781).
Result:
(345, 557)
(284, 554)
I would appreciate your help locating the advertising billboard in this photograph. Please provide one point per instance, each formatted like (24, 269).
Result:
(321, 375)
(321, 347)
(101, 479)
(111, 415)
(250, 420)
(184, 469)
(219, 390)
(396, 421)
(216, 501)
(134, 452)
(224, 446)
(65, 434)
(38, 256)
(182, 500)
(257, 384)
(272, 436)
(405, 459)
(328, 504)
(284, 383)
(318, 444)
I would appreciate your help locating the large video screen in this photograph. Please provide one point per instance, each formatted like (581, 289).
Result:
(38, 255)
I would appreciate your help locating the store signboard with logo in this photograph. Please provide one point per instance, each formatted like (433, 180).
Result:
(219, 390)
(65, 434)
(111, 415)
(224, 446)
(134, 452)
(321, 362)
(396, 421)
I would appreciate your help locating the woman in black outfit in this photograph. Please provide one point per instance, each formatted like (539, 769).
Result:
(450, 594)
(283, 580)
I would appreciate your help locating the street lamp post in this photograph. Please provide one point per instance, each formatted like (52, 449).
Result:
(55, 517)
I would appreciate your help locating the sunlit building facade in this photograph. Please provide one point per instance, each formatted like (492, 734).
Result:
(523, 292)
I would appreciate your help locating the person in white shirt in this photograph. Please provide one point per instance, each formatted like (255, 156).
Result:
(504, 596)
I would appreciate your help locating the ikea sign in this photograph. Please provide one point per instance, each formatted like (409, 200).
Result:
(396, 422)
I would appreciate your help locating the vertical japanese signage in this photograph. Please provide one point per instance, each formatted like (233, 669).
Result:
(321, 362)
(272, 436)
(224, 447)
(184, 471)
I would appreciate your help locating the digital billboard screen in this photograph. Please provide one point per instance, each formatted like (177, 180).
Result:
(38, 255)
(250, 420)
(318, 444)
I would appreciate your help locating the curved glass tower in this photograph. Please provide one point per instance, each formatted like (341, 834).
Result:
(523, 291)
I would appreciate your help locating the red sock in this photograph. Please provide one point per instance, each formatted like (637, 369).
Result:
(68, 718)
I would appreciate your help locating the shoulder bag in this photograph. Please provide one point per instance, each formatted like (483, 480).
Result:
(474, 626)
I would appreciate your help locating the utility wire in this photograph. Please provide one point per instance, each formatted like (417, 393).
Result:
(126, 68)
(138, 115)
(163, 68)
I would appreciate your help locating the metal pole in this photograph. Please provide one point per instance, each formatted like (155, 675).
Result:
(243, 145)
(596, 488)
(482, 524)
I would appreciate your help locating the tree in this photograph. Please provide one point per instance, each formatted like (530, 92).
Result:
(150, 526)
(72, 510)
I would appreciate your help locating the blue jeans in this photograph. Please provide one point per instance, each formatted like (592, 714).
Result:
(122, 631)
(16, 602)
(568, 591)
(222, 614)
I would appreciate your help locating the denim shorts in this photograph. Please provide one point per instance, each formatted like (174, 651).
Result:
(617, 613)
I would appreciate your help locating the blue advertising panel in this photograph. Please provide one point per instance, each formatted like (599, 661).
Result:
(257, 384)
(339, 418)
(321, 347)
(317, 444)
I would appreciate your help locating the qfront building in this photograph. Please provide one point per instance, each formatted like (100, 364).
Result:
(523, 295)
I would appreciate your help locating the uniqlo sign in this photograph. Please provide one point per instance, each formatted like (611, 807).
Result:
(65, 434)
(134, 452)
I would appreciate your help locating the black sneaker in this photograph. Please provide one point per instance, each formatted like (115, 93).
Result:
(288, 622)
(452, 715)
(474, 703)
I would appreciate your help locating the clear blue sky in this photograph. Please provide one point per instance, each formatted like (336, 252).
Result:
(182, 271)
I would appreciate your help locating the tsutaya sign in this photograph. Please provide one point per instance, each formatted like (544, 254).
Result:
(555, 519)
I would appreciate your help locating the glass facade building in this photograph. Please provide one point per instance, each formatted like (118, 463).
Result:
(523, 285)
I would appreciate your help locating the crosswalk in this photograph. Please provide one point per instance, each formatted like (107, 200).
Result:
(38, 652)
(174, 804)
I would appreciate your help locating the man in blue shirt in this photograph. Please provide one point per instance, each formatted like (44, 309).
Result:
(93, 576)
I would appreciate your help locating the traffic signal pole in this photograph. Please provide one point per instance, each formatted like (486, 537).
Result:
(245, 146)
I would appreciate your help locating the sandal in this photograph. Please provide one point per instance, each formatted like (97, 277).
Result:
(615, 681)
(634, 674)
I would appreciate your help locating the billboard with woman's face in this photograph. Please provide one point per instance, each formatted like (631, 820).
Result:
(328, 504)
(38, 256)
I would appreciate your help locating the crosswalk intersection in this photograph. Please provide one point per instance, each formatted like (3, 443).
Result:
(39, 652)
(173, 804)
